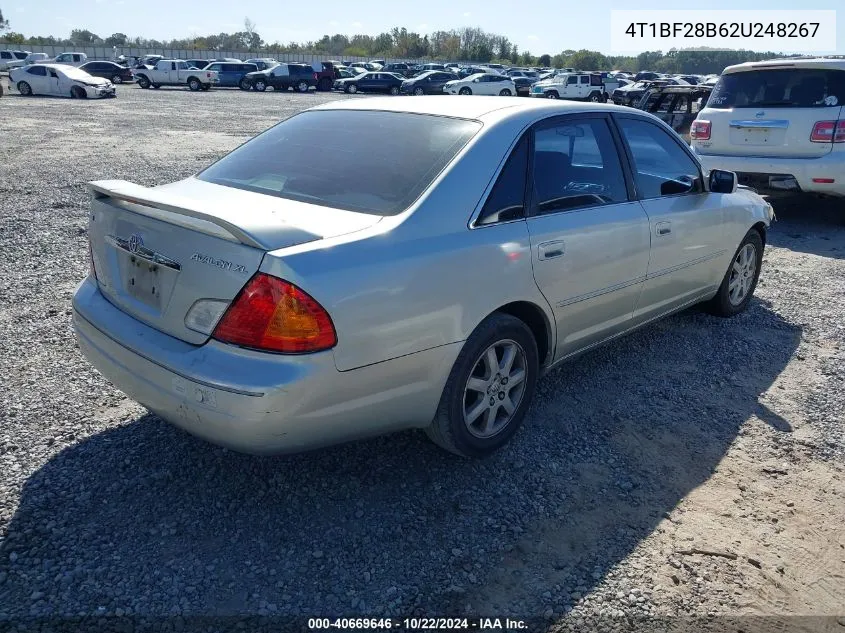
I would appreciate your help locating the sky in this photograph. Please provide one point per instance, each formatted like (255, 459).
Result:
(539, 26)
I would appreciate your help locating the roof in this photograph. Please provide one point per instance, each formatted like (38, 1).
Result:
(474, 107)
(812, 62)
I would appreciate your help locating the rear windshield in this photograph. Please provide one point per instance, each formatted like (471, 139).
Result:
(780, 88)
(366, 161)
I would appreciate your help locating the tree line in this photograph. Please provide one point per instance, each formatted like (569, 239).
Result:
(467, 44)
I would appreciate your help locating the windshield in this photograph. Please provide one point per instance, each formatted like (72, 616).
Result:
(366, 161)
(779, 87)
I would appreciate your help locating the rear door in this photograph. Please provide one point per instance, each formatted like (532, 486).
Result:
(589, 238)
(37, 78)
(771, 111)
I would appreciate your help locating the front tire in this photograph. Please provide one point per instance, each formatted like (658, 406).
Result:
(144, 82)
(552, 94)
(78, 93)
(25, 89)
(325, 84)
(419, 91)
(260, 86)
(488, 390)
(352, 89)
(739, 282)
(464, 91)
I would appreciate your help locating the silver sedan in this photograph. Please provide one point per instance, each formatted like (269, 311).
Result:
(373, 265)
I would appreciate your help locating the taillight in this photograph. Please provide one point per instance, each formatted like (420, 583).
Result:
(315, 76)
(700, 130)
(274, 315)
(828, 132)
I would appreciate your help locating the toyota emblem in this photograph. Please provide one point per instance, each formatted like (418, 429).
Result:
(135, 242)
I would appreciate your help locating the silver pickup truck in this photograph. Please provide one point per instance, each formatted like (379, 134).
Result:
(175, 72)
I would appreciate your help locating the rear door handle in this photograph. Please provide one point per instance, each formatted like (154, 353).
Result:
(550, 250)
(663, 228)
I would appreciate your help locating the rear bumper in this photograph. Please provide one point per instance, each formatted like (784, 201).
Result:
(784, 174)
(250, 401)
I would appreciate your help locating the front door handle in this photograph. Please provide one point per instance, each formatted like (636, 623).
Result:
(550, 250)
(663, 228)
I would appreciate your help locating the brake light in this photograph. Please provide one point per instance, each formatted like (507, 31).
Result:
(274, 315)
(700, 130)
(828, 132)
(315, 76)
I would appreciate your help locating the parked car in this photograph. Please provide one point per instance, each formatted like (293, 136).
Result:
(523, 80)
(364, 66)
(428, 83)
(59, 80)
(400, 68)
(251, 330)
(326, 74)
(263, 63)
(778, 124)
(12, 59)
(678, 106)
(482, 84)
(231, 74)
(199, 64)
(633, 95)
(378, 62)
(175, 72)
(346, 73)
(35, 58)
(71, 59)
(646, 74)
(576, 86)
(116, 73)
(371, 82)
(299, 76)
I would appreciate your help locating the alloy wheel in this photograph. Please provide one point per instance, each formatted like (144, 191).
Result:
(742, 274)
(495, 388)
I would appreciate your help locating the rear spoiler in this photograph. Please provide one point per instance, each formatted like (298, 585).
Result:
(146, 197)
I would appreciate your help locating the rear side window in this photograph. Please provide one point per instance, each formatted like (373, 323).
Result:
(331, 158)
(780, 88)
(5, 55)
(38, 70)
(576, 165)
(507, 198)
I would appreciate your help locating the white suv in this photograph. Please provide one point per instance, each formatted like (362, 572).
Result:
(780, 125)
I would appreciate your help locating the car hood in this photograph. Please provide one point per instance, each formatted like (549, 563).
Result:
(93, 81)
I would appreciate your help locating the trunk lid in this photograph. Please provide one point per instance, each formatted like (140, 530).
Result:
(157, 251)
(770, 110)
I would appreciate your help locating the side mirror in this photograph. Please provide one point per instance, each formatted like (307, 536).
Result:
(475, 81)
(722, 181)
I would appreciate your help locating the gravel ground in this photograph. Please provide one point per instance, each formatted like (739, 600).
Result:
(693, 468)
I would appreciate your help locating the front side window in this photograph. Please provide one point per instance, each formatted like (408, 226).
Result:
(576, 165)
(507, 198)
(661, 166)
(329, 158)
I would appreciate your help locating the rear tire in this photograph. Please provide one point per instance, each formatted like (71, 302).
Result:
(302, 86)
(504, 92)
(394, 90)
(25, 89)
(117, 79)
(206, 87)
(156, 86)
(595, 97)
(464, 91)
(739, 282)
(325, 84)
(458, 426)
(244, 84)
(194, 84)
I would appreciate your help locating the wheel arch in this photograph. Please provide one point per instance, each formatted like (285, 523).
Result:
(761, 228)
(537, 321)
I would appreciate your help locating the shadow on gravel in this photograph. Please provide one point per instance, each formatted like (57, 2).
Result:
(809, 224)
(144, 517)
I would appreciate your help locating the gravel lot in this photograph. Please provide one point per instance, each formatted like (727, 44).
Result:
(693, 435)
